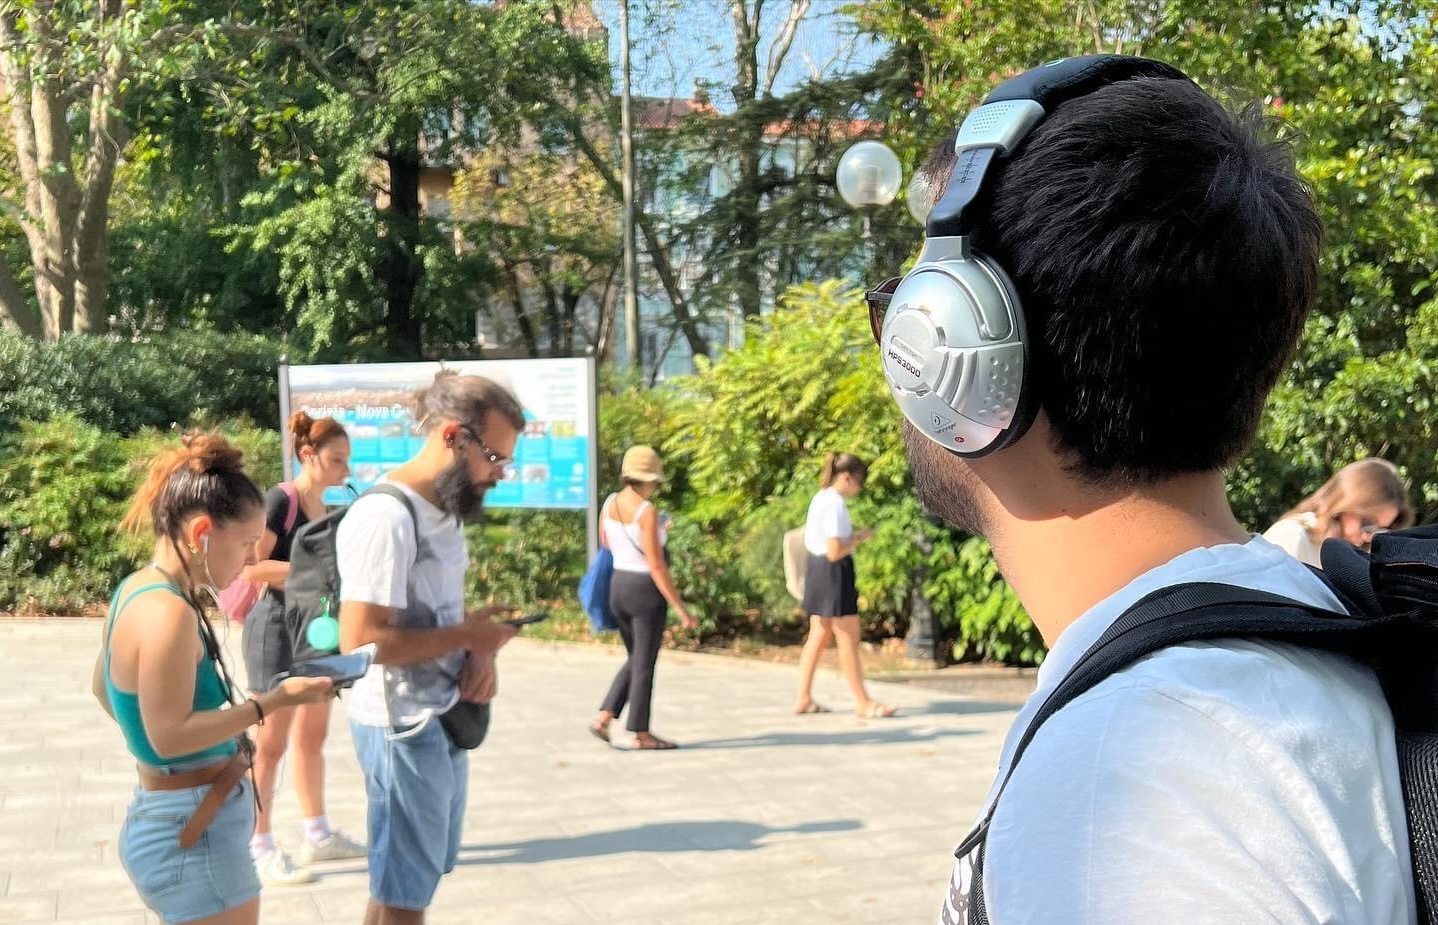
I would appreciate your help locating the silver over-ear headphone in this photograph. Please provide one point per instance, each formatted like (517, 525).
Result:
(952, 335)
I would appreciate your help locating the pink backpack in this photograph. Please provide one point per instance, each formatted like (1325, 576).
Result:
(240, 596)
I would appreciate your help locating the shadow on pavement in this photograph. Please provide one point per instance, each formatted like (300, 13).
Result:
(964, 706)
(890, 734)
(650, 838)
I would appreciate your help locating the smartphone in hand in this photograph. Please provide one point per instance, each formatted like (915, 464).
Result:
(526, 620)
(343, 670)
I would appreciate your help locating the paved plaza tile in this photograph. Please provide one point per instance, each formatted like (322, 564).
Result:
(761, 816)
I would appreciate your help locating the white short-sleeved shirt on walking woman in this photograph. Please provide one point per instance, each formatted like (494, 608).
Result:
(828, 519)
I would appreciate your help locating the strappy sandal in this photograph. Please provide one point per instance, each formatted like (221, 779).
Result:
(653, 744)
(877, 710)
(600, 732)
(813, 707)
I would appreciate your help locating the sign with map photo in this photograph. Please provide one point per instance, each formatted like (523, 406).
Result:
(553, 461)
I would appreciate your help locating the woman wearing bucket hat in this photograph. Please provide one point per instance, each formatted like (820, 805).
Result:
(639, 594)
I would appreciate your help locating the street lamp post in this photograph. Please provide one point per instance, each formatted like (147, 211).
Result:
(869, 176)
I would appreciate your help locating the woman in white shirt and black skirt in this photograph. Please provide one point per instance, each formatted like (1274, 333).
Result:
(831, 597)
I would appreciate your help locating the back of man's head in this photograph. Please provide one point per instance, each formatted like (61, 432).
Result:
(1166, 256)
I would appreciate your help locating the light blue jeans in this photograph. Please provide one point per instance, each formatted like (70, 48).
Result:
(214, 874)
(417, 784)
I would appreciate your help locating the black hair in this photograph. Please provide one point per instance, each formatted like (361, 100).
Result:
(1166, 254)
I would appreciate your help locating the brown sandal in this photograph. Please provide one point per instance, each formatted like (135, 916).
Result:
(653, 743)
(600, 732)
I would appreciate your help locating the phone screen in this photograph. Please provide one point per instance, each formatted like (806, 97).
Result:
(343, 669)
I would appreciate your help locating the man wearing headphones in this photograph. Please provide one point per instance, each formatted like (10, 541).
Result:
(1113, 280)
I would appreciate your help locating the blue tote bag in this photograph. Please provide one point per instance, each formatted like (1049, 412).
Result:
(594, 591)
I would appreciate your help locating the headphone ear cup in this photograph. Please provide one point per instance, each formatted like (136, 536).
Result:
(955, 353)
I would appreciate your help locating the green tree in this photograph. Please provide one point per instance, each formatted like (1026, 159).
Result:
(405, 88)
(65, 72)
(549, 227)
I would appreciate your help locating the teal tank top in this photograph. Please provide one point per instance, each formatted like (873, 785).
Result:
(210, 694)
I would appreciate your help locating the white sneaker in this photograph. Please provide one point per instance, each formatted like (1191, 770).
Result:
(337, 847)
(276, 868)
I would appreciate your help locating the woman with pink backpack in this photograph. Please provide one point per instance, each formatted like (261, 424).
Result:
(323, 450)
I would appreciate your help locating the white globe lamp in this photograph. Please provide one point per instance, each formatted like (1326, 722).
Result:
(917, 199)
(869, 175)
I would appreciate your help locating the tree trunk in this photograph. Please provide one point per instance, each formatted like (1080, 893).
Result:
(658, 254)
(746, 196)
(569, 298)
(15, 309)
(521, 317)
(552, 321)
(65, 222)
(402, 269)
(107, 135)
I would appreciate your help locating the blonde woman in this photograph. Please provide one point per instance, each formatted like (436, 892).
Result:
(831, 596)
(640, 594)
(1363, 498)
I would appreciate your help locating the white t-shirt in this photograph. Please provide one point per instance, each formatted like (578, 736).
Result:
(828, 519)
(1212, 782)
(1291, 534)
(377, 552)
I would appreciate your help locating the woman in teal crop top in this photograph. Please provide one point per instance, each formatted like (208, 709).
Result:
(161, 676)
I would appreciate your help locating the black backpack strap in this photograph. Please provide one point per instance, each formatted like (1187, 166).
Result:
(1173, 616)
(1188, 613)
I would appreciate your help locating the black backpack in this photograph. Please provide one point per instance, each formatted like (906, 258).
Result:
(1391, 598)
(312, 589)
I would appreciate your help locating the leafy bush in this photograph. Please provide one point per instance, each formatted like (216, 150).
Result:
(527, 558)
(125, 386)
(64, 486)
(976, 606)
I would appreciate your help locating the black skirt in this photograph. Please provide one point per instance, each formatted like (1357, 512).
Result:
(829, 589)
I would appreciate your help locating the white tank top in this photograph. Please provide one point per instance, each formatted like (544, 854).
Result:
(623, 539)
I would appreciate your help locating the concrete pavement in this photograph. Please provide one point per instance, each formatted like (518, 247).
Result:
(760, 817)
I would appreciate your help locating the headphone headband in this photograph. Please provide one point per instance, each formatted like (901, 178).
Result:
(1010, 112)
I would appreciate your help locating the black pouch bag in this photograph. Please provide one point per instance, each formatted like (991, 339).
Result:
(466, 724)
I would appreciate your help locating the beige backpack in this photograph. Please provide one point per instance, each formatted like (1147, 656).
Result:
(796, 561)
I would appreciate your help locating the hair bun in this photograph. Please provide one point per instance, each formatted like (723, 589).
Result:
(300, 426)
(208, 452)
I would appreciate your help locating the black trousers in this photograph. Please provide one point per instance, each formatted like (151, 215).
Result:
(641, 611)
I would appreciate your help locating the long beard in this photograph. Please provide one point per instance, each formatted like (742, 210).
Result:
(459, 495)
(945, 484)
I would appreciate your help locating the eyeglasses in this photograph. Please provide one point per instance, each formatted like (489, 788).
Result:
(878, 301)
(493, 458)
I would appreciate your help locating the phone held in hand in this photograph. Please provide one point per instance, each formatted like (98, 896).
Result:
(344, 670)
(526, 620)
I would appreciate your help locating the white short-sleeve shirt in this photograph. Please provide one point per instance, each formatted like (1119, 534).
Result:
(376, 549)
(828, 519)
(1231, 782)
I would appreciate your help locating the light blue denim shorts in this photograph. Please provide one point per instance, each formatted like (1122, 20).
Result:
(416, 782)
(214, 874)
